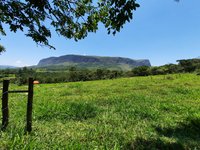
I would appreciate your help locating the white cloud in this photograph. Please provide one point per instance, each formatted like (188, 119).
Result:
(20, 63)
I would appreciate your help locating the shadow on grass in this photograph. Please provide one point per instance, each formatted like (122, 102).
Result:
(187, 136)
(149, 144)
(69, 111)
(189, 130)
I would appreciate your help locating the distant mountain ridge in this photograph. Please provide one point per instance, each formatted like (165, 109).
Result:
(7, 67)
(93, 62)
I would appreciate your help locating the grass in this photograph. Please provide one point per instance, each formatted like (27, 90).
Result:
(159, 112)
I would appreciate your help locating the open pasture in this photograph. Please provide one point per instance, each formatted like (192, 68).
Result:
(158, 112)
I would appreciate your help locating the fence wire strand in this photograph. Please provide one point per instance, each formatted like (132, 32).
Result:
(14, 107)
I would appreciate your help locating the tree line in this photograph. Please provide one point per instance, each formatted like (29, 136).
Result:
(73, 74)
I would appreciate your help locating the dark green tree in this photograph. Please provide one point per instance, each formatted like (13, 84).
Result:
(157, 70)
(189, 65)
(1, 49)
(141, 71)
(99, 74)
(172, 68)
(70, 18)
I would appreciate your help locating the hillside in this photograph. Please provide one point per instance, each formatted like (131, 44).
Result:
(90, 62)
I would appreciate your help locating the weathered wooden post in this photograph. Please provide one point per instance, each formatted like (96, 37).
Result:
(29, 106)
(5, 110)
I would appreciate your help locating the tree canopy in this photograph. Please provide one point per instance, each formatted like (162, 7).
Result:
(70, 18)
(2, 48)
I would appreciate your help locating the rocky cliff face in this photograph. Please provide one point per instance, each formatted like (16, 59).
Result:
(92, 60)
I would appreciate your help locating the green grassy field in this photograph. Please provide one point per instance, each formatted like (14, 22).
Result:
(159, 112)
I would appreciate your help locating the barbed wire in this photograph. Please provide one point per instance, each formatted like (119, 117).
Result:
(12, 115)
(5, 92)
(12, 118)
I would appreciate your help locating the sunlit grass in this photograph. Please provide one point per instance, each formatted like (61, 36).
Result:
(159, 112)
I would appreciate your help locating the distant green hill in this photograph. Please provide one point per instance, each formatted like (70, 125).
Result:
(6, 67)
(93, 62)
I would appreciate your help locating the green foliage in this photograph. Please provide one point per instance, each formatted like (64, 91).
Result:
(189, 65)
(70, 75)
(71, 19)
(141, 71)
(74, 74)
(2, 49)
(23, 74)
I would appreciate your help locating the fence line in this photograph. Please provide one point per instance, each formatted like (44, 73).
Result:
(5, 108)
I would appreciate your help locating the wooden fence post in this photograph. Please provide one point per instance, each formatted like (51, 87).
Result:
(29, 106)
(5, 110)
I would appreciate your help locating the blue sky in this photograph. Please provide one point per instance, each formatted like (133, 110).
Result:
(162, 31)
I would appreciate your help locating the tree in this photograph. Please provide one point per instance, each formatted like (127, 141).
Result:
(1, 49)
(189, 65)
(141, 71)
(70, 18)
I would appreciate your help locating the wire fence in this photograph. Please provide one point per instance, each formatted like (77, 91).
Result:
(17, 113)
(5, 106)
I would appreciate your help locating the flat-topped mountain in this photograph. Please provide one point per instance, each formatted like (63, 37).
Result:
(90, 62)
